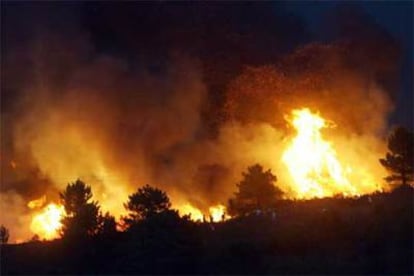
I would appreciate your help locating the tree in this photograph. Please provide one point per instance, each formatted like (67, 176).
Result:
(399, 160)
(256, 191)
(107, 224)
(145, 203)
(81, 217)
(4, 234)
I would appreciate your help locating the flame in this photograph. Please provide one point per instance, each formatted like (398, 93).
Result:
(47, 223)
(313, 163)
(218, 213)
(188, 209)
(37, 203)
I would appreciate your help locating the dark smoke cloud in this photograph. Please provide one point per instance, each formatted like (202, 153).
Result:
(88, 47)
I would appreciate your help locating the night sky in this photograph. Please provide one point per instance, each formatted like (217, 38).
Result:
(397, 18)
(112, 29)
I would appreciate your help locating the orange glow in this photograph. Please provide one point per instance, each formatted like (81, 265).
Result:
(13, 164)
(218, 213)
(188, 209)
(47, 223)
(307, 165)
(37, 203)
(215, 213)
(313, 162)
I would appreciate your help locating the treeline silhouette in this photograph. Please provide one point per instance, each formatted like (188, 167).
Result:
(371, 234)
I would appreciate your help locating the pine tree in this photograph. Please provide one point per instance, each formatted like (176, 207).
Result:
(399, 160)
(145, 203)
(82, 214)
(256, 191)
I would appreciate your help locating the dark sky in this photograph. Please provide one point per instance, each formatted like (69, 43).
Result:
(397, 18)
(114, 28)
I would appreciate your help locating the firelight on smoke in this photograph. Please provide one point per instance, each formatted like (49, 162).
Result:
(317, 165)
(37, 203)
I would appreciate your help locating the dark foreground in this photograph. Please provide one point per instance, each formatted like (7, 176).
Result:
(369, 235)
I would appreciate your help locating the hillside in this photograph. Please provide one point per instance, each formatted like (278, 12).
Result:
(368, 235)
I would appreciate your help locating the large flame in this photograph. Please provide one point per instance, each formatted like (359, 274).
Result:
(47, 223)
(315, 166)
(218, 213)
(194, 213)
(313, 162)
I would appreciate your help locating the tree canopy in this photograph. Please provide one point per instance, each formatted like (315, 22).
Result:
(399, 160)
(4, 234)
(107, 224)
(82, 214)
(145, 203)
(256, 191)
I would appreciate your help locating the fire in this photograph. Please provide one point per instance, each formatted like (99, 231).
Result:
(47, 223)
(312, 161)
(37, 203)
(215, 213)
(188, 209)
(218, 213)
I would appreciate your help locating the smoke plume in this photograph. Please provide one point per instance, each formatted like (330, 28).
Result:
(71, 109)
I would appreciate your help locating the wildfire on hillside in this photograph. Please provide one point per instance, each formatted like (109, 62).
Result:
(314, 166)
(190, 125)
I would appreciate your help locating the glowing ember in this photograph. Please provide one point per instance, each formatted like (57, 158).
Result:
(46, 224)
(312, 162)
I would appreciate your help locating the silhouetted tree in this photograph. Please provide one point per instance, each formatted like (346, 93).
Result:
(35, 238)
(4, 234)
(107, 224)
(81, 217)
(145, 203)
(256, 192)
(400, 158)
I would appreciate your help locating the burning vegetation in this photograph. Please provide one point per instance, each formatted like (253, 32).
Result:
(192, 117)
(314, 168)
(205, 138)
(47, 223)
(314, 165)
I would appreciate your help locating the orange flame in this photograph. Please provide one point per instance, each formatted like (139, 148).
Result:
(188, 209)
(313, 164)
(47, 223)
(37, 203)
(218, 213)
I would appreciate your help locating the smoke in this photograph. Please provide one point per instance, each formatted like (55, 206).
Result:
(319, 76)
(15, 216)
(106, 117)
(71, 110)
